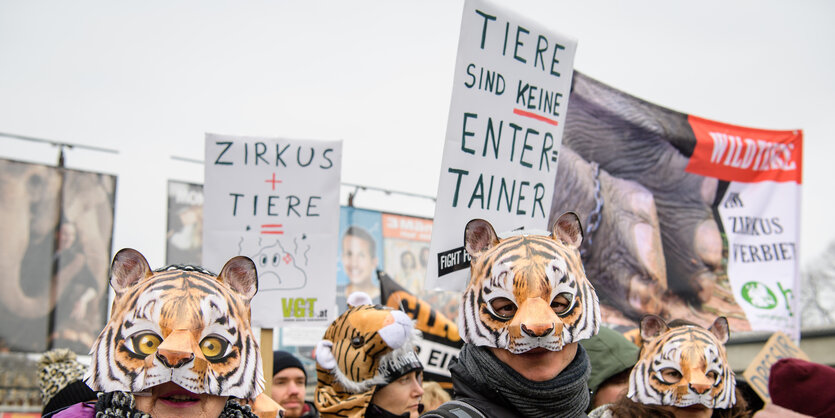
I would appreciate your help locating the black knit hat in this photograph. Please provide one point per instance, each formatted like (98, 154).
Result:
(283, 360)
(59, 379)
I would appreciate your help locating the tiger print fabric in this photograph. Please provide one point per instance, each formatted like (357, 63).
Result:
(683, 364)
(363, 348)
(180, 324)
(527, 290)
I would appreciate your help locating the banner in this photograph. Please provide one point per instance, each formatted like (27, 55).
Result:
(510, 94)
(277, 202)
(360, 254)
(56, 228)
(184, 238)
(684, 217)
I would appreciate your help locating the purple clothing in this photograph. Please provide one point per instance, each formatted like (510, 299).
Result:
(79, 410)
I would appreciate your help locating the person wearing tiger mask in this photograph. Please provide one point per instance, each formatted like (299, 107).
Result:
(178, 344)
(367, 365)
(527, 304)
(682, 372)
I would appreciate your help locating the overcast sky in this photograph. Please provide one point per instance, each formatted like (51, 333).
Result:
(149, 78)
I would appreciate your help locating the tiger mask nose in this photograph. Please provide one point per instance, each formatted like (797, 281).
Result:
(535, 318)
(537, 330)
(177, 350)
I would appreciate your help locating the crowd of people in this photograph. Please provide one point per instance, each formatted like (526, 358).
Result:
(179, 343)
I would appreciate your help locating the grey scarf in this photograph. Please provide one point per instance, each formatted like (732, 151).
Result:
(566, 395)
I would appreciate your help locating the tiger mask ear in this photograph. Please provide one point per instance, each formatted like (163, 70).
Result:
(652, 326)
(568, 230)
(129, 267)
(240, 274)
(479, 236)
(721, 329)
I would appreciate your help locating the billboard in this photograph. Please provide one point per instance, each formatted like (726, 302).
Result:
(57, 226)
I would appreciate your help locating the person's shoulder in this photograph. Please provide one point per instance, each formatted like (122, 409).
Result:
(455, 409)
(79, 410)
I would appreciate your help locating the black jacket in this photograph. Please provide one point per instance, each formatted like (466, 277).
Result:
(486, 400)
(374, 411)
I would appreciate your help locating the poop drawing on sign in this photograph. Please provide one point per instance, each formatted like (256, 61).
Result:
(281, 264)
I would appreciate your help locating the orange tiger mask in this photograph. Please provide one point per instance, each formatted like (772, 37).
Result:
(364, 348)
(526, 290)
(683, 364)
(180, 324)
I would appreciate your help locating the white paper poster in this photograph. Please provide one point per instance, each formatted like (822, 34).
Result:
(511, 86)
(276, 201)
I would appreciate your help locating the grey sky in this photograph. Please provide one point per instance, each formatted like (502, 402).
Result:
(150, 78)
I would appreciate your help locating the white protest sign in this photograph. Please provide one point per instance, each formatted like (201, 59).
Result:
(760, 215)
(507, 114)
(277, 202)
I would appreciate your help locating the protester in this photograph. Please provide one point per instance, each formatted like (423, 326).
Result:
(612, 357)
(790, 385)
(682, 372)
(289, 380)
(527, 305)
(367, 364)
(59, 379)
(433, 395)
(147, 361)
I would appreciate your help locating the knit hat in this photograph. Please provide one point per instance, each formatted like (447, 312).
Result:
(610, 353)
(59, 379)
(284, 360)
(803, 386)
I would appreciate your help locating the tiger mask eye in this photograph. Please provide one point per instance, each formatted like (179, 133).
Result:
(214, 348)
(144, 344)
(503, 308)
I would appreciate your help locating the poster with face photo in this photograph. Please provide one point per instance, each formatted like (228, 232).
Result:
(360, 254)
(406, 249)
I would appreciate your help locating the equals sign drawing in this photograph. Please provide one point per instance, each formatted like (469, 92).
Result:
(271, 229)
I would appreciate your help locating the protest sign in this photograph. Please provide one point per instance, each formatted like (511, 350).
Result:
(511, 87)
(759, 212)
(277, 202)
(777, 347)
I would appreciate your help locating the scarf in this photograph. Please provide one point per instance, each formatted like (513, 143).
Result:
(123, 405)
(566, 395)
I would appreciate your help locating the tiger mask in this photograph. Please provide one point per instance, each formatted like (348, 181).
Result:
(180, 324)
(682, 364)
(527, 290)
(366, 347)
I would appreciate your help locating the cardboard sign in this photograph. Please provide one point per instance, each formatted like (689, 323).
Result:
(277, 202)
(779, 346)
(510, 95)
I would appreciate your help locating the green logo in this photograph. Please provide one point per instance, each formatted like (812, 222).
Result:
(759, 295)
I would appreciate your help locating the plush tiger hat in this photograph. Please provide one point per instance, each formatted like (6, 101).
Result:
(527, 290)
(366, 347)
(181, 324)
(682, 364)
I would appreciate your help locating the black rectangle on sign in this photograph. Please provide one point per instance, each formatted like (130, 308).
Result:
(453, 260)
